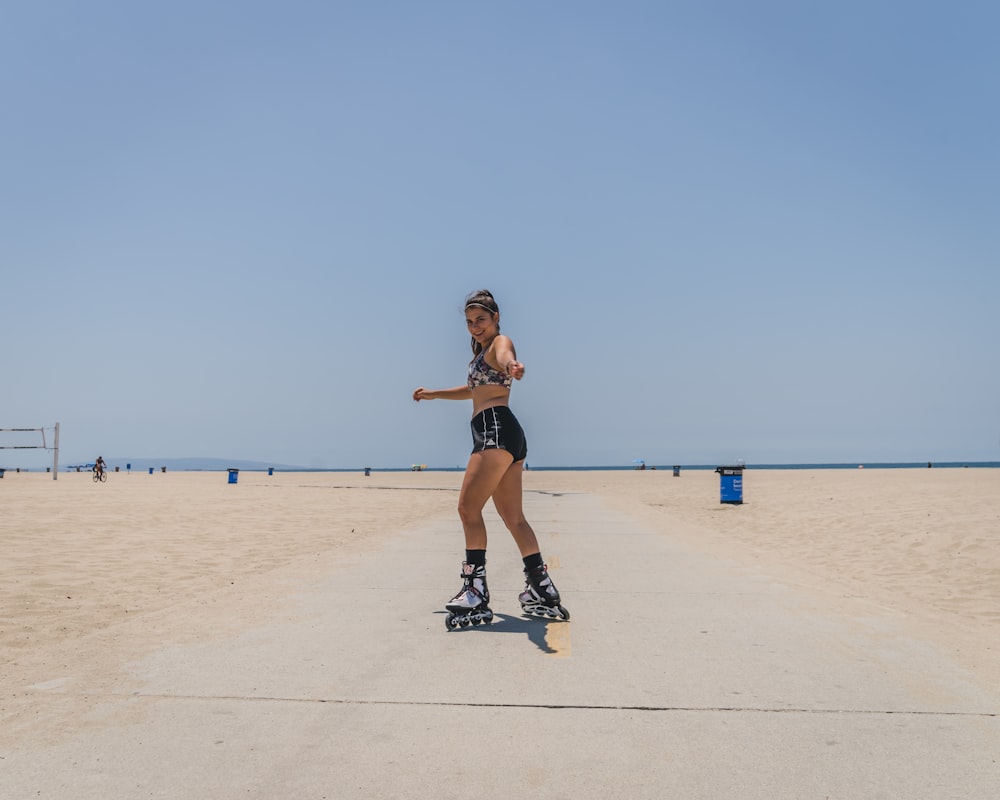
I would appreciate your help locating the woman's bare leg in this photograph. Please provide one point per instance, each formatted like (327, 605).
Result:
(507, 497)
(485, 472)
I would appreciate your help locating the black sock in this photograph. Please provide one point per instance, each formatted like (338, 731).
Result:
(476, 557)
(533, 562)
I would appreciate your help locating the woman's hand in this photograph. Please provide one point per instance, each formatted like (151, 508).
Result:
(515, 369)
(420, 394)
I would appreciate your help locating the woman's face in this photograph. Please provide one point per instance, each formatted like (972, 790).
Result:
(482, 324)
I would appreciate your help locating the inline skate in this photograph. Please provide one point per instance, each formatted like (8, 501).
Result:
(540, 596)
(471, 605)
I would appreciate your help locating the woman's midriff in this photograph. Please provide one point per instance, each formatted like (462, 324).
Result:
(484, 397)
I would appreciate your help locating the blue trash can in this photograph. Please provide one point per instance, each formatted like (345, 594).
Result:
(150, 470)
(677, 471)
(270, 471)
(730, 484)
(234, 475)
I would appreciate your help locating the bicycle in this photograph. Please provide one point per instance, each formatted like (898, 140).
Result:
(100, 475)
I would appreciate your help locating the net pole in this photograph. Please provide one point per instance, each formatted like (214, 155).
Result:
(55, 454)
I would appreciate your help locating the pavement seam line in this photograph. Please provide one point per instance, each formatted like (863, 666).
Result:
(575, 706)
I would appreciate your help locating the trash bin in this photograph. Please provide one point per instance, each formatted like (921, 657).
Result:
(368, 472)
(270, 471)
(150, 470)
(234, 475)
(677, 471)
(1, 473)
(730, 484)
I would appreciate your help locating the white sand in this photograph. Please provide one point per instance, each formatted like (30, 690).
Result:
(83, 561)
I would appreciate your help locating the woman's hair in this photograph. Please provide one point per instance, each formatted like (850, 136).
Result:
(482, 299)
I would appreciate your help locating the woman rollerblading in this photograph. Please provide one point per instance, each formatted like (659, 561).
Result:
(495, 468)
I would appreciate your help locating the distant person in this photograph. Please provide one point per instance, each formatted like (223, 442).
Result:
(99, 466)
(495, 469)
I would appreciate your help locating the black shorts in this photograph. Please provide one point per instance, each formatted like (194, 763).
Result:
(496, 428)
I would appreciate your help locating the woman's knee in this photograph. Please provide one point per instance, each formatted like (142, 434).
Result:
(514, 519)
(469, 511)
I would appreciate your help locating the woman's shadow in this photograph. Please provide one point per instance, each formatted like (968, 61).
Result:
(535, 628)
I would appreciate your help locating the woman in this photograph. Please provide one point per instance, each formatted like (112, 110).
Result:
(495, 470)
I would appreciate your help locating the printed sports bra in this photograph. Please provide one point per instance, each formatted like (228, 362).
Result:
(482, 374)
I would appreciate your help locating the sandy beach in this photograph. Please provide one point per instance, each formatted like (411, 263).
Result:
(100, 575)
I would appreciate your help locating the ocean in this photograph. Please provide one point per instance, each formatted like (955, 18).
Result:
(853, 465)
(216, 465)
(670, 467)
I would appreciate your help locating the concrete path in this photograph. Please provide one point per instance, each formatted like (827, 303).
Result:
(679, 676)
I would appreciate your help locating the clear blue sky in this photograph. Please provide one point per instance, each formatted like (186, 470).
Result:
(716, 230)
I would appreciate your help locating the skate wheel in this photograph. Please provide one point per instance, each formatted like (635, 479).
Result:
(475, 621)
(563, 612)
(450, 622)
(488, 619)
(465, 622)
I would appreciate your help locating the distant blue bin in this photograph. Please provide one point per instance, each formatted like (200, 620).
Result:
(150, 470)
(730, 484)
(234, 475)
(270, 470)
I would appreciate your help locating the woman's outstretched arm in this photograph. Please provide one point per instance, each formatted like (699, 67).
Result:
(503, 352)
(456, 393)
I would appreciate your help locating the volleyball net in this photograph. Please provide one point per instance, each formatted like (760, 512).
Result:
(43, 446)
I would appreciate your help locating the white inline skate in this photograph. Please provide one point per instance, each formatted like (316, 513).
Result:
(471, 605)
(540, 596)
